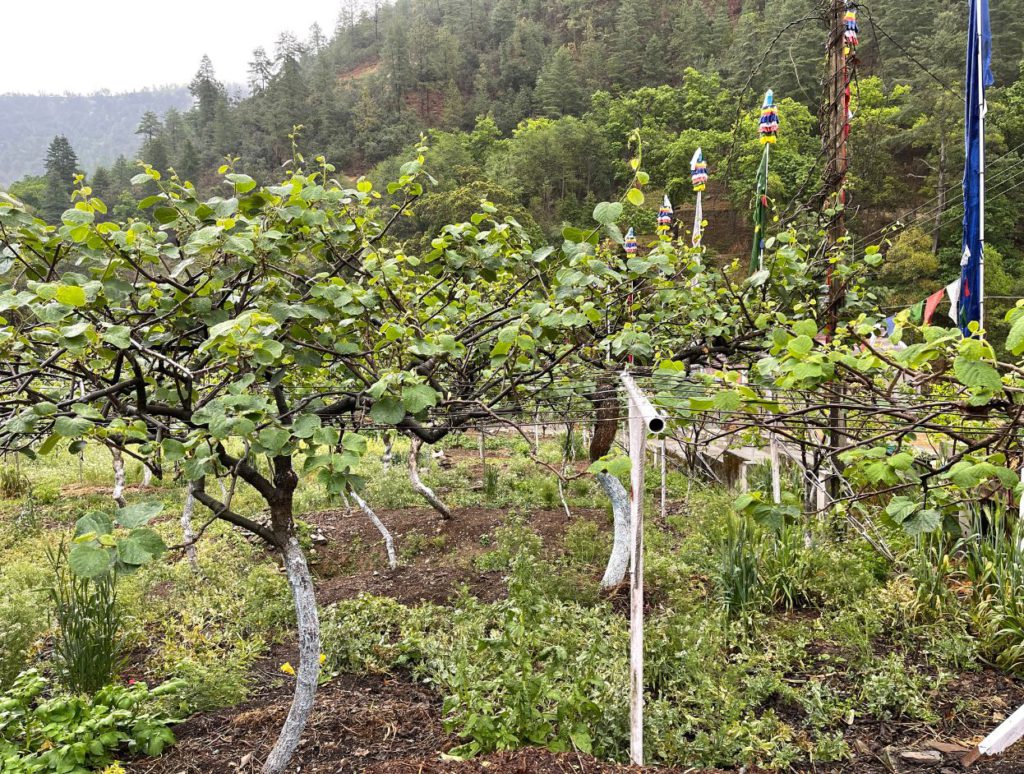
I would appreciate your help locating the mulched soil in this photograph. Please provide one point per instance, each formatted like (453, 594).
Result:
(390, 725)
(436, 574)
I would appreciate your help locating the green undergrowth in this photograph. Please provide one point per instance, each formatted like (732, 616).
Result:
(826, 645)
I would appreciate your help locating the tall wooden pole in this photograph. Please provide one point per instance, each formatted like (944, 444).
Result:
(835, 121)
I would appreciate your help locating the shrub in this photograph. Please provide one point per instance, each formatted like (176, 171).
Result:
(13, 483)
(79, 734)
(23, 617)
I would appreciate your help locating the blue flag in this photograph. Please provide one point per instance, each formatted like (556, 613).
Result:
(979, 77)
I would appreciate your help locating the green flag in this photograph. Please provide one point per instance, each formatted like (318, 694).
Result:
(760, 212)
(917, 313)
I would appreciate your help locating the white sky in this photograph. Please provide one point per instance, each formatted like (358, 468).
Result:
(57, 46)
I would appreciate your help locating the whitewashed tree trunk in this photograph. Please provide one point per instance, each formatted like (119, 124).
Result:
(309, 659)
(147, 475)
(425, 491)
(618, 562)
(118, 493)
(188, 534)
(389, 544)
(389, 454)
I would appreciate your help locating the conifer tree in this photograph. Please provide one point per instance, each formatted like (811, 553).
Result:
(61, 168)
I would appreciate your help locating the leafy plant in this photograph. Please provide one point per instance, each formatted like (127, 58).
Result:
(89, 644)
(98, 550)
(40, 732)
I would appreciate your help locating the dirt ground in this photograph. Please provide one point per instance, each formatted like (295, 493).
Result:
(390, 725)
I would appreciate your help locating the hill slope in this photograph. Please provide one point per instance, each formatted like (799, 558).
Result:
(100, 126)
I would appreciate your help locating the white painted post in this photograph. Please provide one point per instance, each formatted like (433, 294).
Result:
(773, 451)
(664, 479)
(643, 419)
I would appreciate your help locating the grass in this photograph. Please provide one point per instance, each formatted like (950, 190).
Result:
(762, 645)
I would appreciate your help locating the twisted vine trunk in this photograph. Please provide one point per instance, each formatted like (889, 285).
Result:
(389, 544)
(309, 658)
(606, 425)
(425, 491)
(188, 534)
(618, 562)
(119, 477)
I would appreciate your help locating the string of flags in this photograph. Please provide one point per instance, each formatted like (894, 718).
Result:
(851, 34)
(630, 242)
(769, 127)
(769, 130)
(699, 179)
(665, 215)
(923, 311)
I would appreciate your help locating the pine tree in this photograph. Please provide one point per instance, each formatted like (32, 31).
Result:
(150, 126)
(317, 41)
(558, 92)
(207, 92)
(261, 70)
(61, 168)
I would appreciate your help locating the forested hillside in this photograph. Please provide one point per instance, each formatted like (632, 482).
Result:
(100, 126)
(530, 104)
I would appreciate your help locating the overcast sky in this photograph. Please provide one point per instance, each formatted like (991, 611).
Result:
(54, 46)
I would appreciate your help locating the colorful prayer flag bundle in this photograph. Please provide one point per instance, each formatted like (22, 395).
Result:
(699, 171)
(665, 214)
(852, 33)
(769, 127)
(630, 242)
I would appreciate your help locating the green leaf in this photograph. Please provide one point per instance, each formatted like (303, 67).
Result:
(607, 213)
(165, 215)
(273, 439)
(976, 374)
(800, 346)
(95, 522)
(354, 443)
(418, 397)
(305, 426)
(243, 183)
(136, 515)
(635, 197)
(582, 741)
(70, 295)
(118, 336)
(387, 411)
(88, 561)
(805, 328)
(141, 546)
(727, 400)
(1015, 339)
(172, 450)
(922, 522)
(71, 427)
(900, 509)
(616, 466)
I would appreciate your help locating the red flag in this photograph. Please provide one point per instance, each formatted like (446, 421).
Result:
(932, 304)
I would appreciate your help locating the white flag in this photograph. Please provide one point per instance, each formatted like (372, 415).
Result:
(953, 291)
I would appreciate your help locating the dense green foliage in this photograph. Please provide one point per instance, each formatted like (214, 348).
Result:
(531, 107)
(70, 734)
